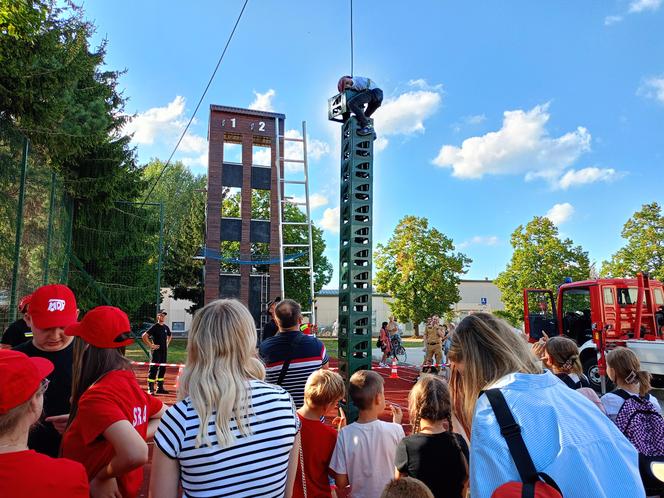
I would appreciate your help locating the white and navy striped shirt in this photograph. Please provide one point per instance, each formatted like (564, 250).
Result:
(307, 354)
(255, 465)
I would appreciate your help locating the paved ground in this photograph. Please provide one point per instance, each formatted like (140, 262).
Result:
(415, 357)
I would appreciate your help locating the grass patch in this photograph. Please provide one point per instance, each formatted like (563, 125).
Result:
(177, 352)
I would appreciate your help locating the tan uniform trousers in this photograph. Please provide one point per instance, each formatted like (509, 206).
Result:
(434, 349)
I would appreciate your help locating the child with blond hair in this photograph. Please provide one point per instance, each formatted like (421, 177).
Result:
(322, 392)
(406, 487)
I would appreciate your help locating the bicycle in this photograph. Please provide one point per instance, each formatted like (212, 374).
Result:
(398, 350)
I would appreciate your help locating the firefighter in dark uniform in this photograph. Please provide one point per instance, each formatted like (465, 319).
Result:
(157, 338)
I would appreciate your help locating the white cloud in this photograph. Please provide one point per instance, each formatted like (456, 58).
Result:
(192, 162)
(560, 213)
(330, 220)
(475, 120)
(637, 6)
(610, 20)
(164, 125)
(193, 143)
(422, 84)
(262, 156)
(315, 200)
(380, 144)
(316, 149)
(480, 240)
(155, 122)
(406, 113)
(653, 88)
(521, 146)
(584, 176)
(263, 101)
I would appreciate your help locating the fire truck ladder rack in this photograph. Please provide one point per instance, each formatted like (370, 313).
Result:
(355, 246)
(307, 245)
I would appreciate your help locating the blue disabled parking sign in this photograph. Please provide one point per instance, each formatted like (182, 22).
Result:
(484, 300)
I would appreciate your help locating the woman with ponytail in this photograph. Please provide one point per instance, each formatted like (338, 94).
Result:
(111, 416)
(624, 370)
(434, 454)
(636, 413)
(561, 355)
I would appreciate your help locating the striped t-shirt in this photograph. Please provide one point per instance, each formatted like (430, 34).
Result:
(307, 354)
(255, 465)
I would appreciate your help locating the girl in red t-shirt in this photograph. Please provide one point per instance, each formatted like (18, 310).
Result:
(24, 473)
(111, 417)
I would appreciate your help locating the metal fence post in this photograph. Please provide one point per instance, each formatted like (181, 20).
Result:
(161, 250)
(19, 233)
(69, 209)
(49, 233)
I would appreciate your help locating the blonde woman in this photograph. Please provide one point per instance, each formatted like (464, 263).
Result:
(231, 434)
(567, 437)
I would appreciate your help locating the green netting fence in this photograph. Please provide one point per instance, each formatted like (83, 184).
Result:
(111, 256)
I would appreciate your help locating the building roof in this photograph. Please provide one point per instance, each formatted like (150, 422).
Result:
(250, 112)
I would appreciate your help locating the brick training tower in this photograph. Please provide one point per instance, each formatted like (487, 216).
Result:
(251, 285)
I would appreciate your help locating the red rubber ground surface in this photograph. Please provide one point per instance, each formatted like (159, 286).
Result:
(396, 391)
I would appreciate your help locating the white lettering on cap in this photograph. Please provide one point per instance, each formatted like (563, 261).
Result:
(56, 304)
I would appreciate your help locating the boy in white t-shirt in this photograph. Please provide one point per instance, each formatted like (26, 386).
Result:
(364, 454)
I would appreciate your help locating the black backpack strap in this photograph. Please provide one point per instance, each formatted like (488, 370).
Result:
(622, 393)
(583, 381)
(569, 381)
(287, 361)
(511, 431)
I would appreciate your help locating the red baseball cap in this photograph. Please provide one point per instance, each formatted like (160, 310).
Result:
(23, 303)
(53, 306)
(101, 326)
(21, 376)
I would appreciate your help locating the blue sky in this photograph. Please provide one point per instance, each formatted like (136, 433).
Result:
(494, 112)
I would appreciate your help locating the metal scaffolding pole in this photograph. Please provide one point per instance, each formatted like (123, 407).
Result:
(280, 206)
(311, 238)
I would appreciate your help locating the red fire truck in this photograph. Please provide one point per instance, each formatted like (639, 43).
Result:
(601, 315)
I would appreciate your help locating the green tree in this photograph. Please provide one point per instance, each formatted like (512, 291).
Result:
(644, 250)
(182, 195)
(540, 259)
(420, 269)
(56, 91)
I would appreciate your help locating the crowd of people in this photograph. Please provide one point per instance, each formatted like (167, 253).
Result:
(268, 422)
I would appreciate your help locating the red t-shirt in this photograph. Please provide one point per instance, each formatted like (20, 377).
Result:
(115, 397)
(318, 441)
(28, 474)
